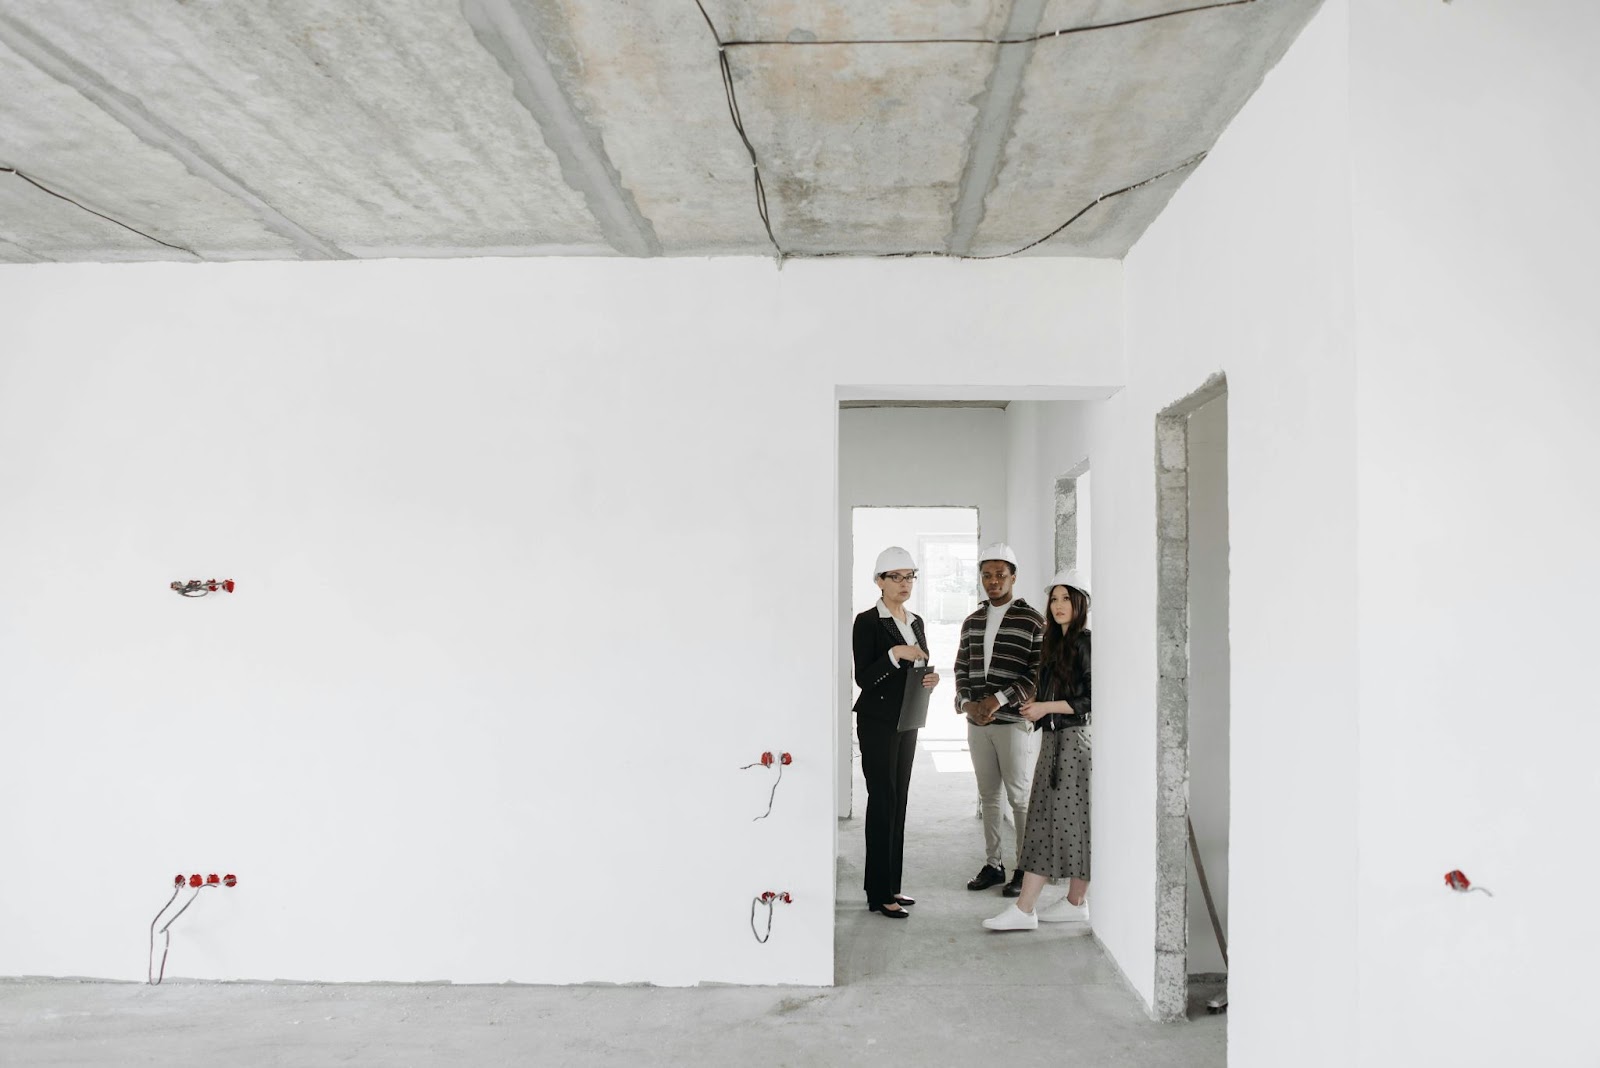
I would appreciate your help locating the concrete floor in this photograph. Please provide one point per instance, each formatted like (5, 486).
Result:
(932, 990)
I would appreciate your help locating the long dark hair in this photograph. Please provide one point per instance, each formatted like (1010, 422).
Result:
(1062, 653)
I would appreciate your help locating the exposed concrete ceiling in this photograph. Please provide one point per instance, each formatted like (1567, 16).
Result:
(311, 129)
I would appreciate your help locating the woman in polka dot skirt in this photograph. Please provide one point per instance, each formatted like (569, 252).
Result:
(1055, 844)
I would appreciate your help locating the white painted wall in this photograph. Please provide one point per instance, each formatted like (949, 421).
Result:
(514, 540)
(1476, 227)
(1208, 676)
(1045, 440)
(1247, 272)
(910, 456)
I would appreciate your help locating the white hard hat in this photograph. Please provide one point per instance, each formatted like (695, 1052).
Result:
(893, 558)
(1068, 577)
(998, 551)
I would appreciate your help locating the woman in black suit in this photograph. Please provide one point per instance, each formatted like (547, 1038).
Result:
(887, 640)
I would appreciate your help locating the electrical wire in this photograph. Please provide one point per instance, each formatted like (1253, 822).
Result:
(769, 902)
(186, 904)
(166, 930)
(1080, 213)
(196, 588)
(150, 972)
(1032, 39)
(731, 93)
(62, 196)
(772, 795)
(738, 125)
(768, 761)
(1190, 162)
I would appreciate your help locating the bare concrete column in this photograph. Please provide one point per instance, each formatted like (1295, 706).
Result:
(1172, 699)
(1066, 523)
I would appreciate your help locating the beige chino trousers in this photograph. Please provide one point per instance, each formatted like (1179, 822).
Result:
(1003, 756)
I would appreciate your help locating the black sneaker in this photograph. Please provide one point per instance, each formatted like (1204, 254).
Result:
(987, 876)
(1014, 887)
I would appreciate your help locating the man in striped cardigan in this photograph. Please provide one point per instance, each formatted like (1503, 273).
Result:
(997, 668)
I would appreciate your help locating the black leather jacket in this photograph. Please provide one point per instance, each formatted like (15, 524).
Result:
(1074, 688)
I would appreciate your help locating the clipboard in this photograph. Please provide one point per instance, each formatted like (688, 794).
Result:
(914, 703)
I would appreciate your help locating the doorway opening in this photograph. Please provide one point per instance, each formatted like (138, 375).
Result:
(925, 447)
(1192, 735)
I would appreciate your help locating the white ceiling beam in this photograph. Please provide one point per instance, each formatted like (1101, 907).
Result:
(997, 111)
(505, 33)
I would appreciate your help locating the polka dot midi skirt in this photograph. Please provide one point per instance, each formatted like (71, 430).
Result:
(1056, 843)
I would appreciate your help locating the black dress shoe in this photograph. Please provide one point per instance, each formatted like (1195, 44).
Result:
(987, 876)
(892, 913)
(903, 901)
(1014, 887)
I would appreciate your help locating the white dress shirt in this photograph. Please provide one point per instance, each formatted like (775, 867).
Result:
(905, 630)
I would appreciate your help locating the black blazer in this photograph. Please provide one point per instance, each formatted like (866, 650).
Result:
(883, 685)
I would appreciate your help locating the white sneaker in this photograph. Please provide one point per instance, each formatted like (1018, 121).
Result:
(1064, 911)
(1012, 919)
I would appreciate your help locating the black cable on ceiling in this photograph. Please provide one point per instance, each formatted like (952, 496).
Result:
(1190, 162)
(62, 196)
(761, 195)
(1033, 39)
(738, 125)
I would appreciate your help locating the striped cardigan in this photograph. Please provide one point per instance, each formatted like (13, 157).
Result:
(1014, 667)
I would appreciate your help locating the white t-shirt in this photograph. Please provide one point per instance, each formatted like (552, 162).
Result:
(991, 630)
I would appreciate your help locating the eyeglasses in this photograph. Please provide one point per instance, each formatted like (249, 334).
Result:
(899, 576)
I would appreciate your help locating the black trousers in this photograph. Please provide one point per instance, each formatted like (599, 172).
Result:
(886, 758)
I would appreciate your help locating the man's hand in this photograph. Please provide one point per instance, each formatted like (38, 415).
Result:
(930, 680)
(980, 712)
(909, 652)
